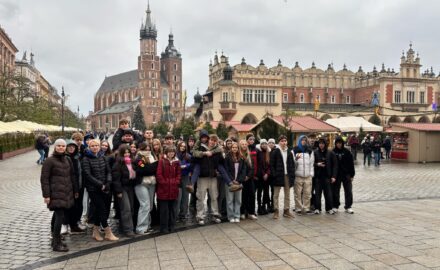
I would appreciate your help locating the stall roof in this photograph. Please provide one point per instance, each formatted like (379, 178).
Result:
(419, 126)
(353, 124)
(234, 124)
(302, 124)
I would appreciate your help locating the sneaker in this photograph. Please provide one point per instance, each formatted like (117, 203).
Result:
(309, 212)
(129, 234)
(232, 220)
(189, 188)
(298, 211)
(64, 229)
(317, 212)
(237, 220)
(76, 230)
(252, 217)
(82, 227)
(243, 217)
(201, 222)
(150, 230)
(335, 210)
(217, 220)
(349, 211)
(331, 212)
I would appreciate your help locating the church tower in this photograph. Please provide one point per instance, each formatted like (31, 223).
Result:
(149, 71)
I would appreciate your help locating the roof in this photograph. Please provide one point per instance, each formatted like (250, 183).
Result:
(418, 126)
(120, 107)
(353, 124)
(234, 124)
(120, 81)
(305, 124)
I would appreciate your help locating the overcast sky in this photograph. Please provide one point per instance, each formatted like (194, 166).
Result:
(76, 43)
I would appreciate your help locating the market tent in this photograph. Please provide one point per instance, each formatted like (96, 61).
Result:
(353, 124)
(29, 127)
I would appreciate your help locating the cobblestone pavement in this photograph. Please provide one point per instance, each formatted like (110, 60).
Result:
(24, 219)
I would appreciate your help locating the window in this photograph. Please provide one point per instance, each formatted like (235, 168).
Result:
(301, 98)
(333, 99)
(318, 97)
(259, 96)
(410, 97)
(247, 95)
(153, 93)
(422, 97)
(175, 67)
(270, 96)
(225, 97)
(397, 96)
(285, 97)
(347, 99)
(100, 122)
(175, 78)
(152, 65)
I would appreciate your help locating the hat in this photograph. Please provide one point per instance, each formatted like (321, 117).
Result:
(203, 133)
(59, 142)
(250, 135)
(128, 131)
(271, 140)
(263, 141)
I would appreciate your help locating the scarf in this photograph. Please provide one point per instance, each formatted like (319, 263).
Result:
(132, 173)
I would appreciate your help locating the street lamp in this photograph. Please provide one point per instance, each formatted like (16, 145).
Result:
(62, 110)
(79, 122)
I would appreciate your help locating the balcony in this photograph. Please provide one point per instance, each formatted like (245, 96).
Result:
(410, 107)
(207, 106)
(228, 110)
(310, 107)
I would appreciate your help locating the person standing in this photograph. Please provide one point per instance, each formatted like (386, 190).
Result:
(40, 146)
(282, 169)
(304, 171)
(168, 180)
(272, 146)
(387, 147)
(236, 168)
(248, 194)
(344, 177)
(185, 165)
(98, 178)
(263, 178)
(59, 189)
(376, 146)
(354, 144)
(366, 148)
(326, 171)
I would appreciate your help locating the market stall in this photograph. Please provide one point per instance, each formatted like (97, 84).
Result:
(353, 124)
(415, 142)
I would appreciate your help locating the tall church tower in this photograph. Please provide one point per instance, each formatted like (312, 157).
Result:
(149, 71)
(171, 70)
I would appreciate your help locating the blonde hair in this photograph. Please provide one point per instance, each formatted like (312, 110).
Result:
(245, 153)
(94, 141)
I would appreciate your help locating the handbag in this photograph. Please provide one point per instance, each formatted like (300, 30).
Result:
(149, 180)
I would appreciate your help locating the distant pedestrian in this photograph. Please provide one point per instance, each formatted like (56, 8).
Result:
(59, 190)
(387, 147)
(354, 144)
(366, 149)
(39, 145)
(376, 147)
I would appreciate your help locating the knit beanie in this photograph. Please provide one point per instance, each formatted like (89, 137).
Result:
(59, 142)
(263, 141)
(271, 141)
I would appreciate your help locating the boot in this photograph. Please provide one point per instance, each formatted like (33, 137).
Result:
(52, 241)
(276, 214)
(264, 210)
(259, 211)
(287, 214)
(58, 245)
(270, 208)
(96, 234)
(109, 234)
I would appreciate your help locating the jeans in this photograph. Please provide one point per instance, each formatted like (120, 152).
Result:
(387, 153)
(203, 184)
(167, 217)
(182, 200)
(41, 159)
(145, 196)
(367, 156)
(303, 192)
(377, 159)
(348, 191)
(102, 209)
(57, 221)
(233, 203)
(323, 184)
(354, 152)
(126, 206)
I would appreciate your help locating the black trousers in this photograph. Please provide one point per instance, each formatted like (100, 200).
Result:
(262, 192)
(323, 184)
(167, 215)
(101, 202)
(348, 191)
(57, 221)
(73, 215)
(248, 198)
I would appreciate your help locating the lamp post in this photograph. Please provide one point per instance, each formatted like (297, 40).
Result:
(79, 122)
(62, 110)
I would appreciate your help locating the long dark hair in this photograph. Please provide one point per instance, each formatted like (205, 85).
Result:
(123, 148)
(109, 150)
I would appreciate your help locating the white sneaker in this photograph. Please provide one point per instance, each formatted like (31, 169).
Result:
(81, 226)
(64, 229)
(252, 217)
(217, 220)
(237, 220)
(201, 222)
(232, 220)
(317, 212)
(335, 210)
(331, 212)
(243, 217)
(349, 210)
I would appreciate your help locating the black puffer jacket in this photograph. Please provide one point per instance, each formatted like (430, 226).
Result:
(57, 181)
(277, 167)
(121, 177)
(96, 172)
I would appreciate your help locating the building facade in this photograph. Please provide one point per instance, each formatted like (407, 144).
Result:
(155, 86)
(245, 93)
(7, 53)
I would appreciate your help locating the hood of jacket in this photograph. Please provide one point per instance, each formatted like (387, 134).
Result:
(299, 144)
(341, 140)
(71, 142)
(88, 153)
(203, 133)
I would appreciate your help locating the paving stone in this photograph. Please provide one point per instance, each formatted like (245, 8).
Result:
(410, 266)
(374, 265)
(298, 260)
(390, 258)
(338, 264)
(427, 261)
(351, 255)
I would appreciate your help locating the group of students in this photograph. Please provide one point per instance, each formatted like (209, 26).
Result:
(144, 175)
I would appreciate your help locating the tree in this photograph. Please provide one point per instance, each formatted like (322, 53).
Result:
(184, 128)
(268, 129)
(287, 116)
(222, 131)
(209, 128)
(138, 119)
(161, 129)
(375, 120)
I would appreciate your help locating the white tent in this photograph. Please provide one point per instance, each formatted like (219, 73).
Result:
(353, 124)
(28, 127)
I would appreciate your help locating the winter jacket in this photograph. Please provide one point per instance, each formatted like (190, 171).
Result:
(255, 156)
(209, 165)
(366, 147)
(331, 164)
(39, 143)
(304, 164)
(229, 165)
(345, 160)
(376, 145)
(75, 158)
(121, 177)
(144, 168)
(185, 163)
(57, 181)
(277, 167)
(96, 172)
(168, 178)
(117, 138)
(264, 167)
(387, 144)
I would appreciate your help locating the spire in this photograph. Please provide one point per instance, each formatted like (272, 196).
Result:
(171, 50)
(24, 58)
(243, 61)
(345, 67)
(279, 62)
(148, 29)
(383, 68)
(32, 62)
